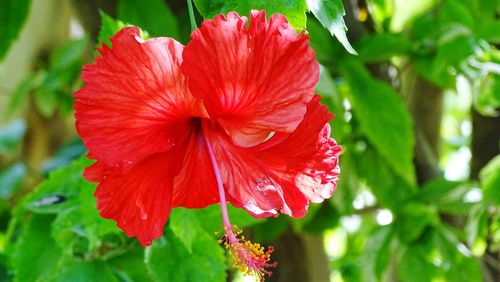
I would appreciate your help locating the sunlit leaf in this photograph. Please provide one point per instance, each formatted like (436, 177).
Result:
(490, 181)
(186, 226)
(447, 196)
(460, 266)
(293, 10)
(487, 101)
(477, 229)
(330, 14)
(383, 117)
(109, 27)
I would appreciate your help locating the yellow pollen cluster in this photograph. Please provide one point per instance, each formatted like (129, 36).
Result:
(250, 258)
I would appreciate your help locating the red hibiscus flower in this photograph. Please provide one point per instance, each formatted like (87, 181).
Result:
(231, 117)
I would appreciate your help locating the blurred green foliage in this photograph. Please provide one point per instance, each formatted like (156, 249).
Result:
(385, 225)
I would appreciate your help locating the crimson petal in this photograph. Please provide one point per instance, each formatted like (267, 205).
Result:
(286, 175)
(135, 101)
(140, 199)
(253, 81)
(195, 185)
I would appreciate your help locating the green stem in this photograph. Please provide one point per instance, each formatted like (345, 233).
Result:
(191, 15)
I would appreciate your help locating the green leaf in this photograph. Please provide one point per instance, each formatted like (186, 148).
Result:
(477, 229)
(450, 55)
(37, 257)
(151, 15)
(412, 220)
(415, 266)
(383, 117)
(62, 236)
(404, 12)
(46, 101)
(130, 266)
(36, 254)
(293, 10)
(459, 267)
(11, 178)
(447, 196)
(328, 50)
(377, 253)
(169, 260)
(326, 217)
(456, 12)
(12, 17)
(465, 269)
(109, 27)
(67, 54)
(490, 32)
(490, 181)
(331, 98)
(330, 14)
(348, 185)
(390, 188)
(186, 226)
(211, 218)
(70, 269)
(60, 191)
(495, 232)
(382, 47)
(78, 228)
(21, 94)
(381, 11)
(64, 156)
(195, 227)
(11, 135)
(487, 101)
(270, 229)
(5, 271)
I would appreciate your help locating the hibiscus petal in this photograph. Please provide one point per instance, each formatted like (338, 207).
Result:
(135, 101)
(95, 172)
(313, 160)
(140, 199)
(254, 81)
(195, 185)
(286, 175)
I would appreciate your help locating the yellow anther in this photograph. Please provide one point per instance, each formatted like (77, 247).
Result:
(250, 258)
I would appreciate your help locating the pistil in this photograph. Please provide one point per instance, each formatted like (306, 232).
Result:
(250, 258)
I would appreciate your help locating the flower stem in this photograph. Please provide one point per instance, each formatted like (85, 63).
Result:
(191, 15)
(250, 258)
(220, 186)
